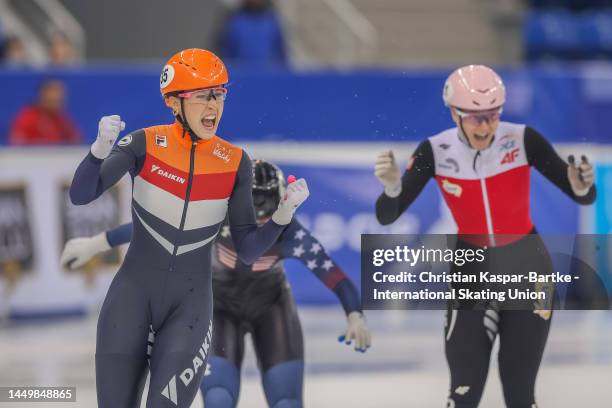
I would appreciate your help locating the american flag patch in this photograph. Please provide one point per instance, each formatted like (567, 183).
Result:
(263, 263)
(226, 256)
(160, 140)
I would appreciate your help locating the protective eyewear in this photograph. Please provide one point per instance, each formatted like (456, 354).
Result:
(477, 117)
(205, 95)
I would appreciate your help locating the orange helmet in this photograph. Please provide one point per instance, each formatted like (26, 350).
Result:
(191, 69)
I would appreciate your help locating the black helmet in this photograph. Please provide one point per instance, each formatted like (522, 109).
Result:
(268, 187)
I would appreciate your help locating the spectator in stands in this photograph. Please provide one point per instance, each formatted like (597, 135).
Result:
(14, 52)
(253, 34)
(45, 122)
(61, 50)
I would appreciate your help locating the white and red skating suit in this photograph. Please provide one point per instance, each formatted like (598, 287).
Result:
(487, 191)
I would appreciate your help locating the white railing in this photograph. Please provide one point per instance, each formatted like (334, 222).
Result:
(356, 37)
(64, 22)
(298, 55)
(359, 42)
(13, 24)
(354, 20)
(61, 20)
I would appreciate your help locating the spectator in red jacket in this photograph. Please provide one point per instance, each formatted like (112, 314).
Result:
(45, 122)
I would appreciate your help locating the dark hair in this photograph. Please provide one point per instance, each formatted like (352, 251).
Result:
(6, 42)
(45, 82)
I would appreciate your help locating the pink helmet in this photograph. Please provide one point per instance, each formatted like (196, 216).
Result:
(474, 87)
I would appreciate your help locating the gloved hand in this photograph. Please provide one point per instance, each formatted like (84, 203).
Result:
(109, 128)
(388, 172)
(581, 177)
(78, 251)
(296, 193)
(357, 330)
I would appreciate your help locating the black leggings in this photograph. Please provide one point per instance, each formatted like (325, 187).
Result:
(471, 329)
(469, 338)
(277, 338)
(276, 332)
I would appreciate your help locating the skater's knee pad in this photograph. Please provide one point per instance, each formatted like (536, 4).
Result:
(288, 403)
(217, 397)
(221, 383)
(283, 384)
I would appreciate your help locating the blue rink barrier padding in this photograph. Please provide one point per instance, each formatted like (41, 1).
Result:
(60, 313)
(560, 101)
(567, 104)
(339, 209)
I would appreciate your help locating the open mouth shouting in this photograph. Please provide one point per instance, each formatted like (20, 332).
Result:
(209, 120)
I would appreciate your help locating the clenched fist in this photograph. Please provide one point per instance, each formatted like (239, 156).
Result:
(388, 172)
(296, 193)
(109, 128)
(581, 177)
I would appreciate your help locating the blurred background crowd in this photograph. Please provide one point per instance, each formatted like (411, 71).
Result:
(61, 35)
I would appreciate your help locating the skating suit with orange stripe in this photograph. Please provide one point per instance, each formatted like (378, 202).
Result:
(182, 191)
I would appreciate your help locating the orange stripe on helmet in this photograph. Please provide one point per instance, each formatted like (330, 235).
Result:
(190, 69)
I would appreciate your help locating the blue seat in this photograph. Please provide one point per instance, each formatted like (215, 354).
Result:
(597, 30)
(551, 33)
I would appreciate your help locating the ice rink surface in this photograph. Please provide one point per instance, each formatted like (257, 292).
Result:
(405, 368)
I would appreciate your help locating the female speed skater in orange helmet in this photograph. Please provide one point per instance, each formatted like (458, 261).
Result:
(186, 180)
(256, 299)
